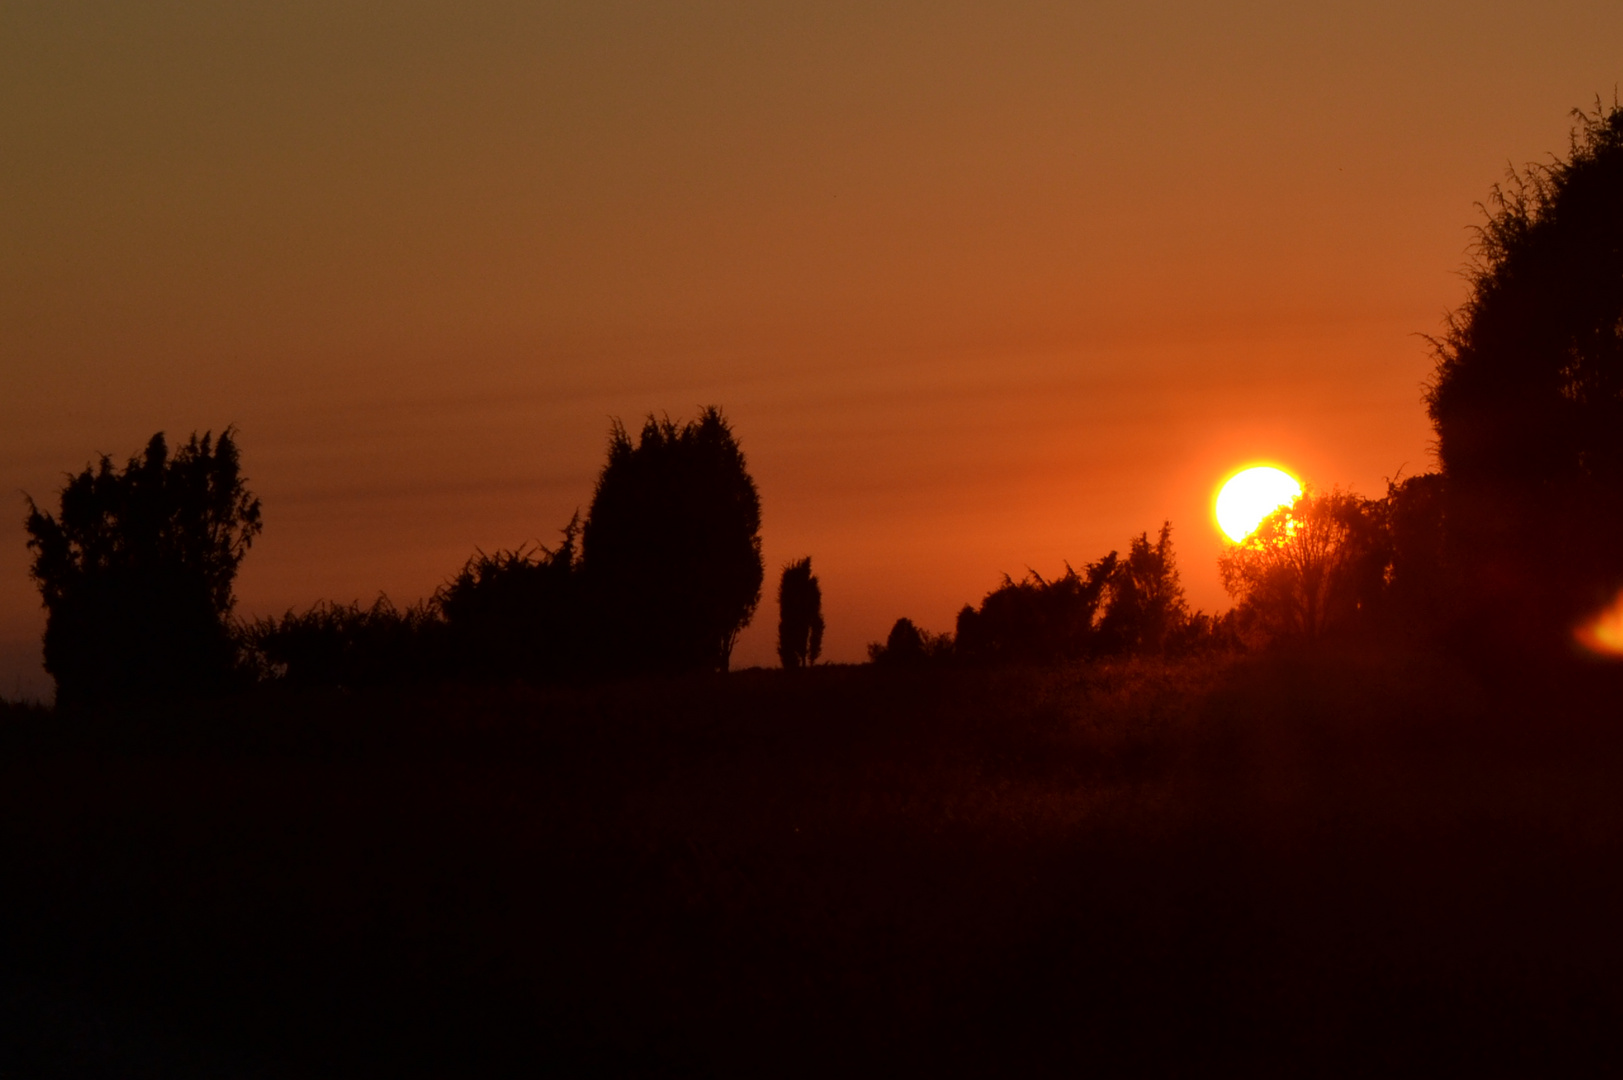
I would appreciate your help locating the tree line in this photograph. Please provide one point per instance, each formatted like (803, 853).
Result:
(136, 570)
(1510, 543)
(1507, 548)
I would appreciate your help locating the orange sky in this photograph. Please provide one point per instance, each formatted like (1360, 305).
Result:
(982, 286)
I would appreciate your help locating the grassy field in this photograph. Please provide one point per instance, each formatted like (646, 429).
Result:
(1351, 861)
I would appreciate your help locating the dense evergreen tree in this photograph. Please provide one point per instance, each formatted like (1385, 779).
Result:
(671, 546)
(800, 615)
(136, 572)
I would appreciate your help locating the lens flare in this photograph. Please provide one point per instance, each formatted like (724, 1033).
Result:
(1603, 635)
(1251, 495)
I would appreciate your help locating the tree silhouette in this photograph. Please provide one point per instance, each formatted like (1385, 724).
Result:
(1309, 565)
(800, 615)
(136, 572)
(906, 646)
(671, 546)
(1527, 397)
(517, 614)
(1035, 620)
(1146, 606)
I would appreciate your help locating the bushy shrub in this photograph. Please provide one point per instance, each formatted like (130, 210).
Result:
(136, 572)
(347, 645)
(518, 614)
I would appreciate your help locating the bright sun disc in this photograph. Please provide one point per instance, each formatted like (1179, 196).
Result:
(1251, 495)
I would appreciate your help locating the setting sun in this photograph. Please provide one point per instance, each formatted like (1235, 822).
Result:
(1251, 495)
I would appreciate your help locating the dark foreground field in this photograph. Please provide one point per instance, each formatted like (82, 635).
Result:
(1342, 863)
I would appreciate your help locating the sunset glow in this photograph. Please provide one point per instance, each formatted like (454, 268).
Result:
(1251, 495)
(1603, 635)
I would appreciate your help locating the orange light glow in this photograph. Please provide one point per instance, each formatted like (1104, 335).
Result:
(1603, 635)
(1251, 495)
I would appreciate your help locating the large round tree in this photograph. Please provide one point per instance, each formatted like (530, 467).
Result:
(1527, 398)
(671, 549)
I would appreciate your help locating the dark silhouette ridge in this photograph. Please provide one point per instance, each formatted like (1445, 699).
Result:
(136, 572)
(1527, 397)
(800, 615)
(671, 549)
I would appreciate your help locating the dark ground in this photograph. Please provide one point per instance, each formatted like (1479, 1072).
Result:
(1348, 862)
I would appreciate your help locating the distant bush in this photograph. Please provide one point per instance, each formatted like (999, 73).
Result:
(800, 615)
(1145, 606)
(1037, 621)
(518, 614)
(347, 645)
(136, 572)
(1133, 605)
(909, 647)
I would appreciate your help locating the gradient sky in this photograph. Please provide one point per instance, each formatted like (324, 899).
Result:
(982, 286)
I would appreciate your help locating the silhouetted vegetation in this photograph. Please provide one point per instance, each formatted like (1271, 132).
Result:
(1309, 566)
(1113, 607)
(906, 646)
(1146, 610)
(1366, 854)
(671, 548)
(1035, 620)
(136, 572)
(1528, 394)
(662, 577)
(519, 614)
(800, 615)
(347, 645)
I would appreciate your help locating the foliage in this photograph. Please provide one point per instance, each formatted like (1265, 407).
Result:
(671, 547)
(136, 571)
(517, 614)
(1037, 621)
(1116, 605)
(1420, 581)
(909, 647)
(1527, 397)
(346, 645)
(800, 615)
(1146, 606)
(1308, 566)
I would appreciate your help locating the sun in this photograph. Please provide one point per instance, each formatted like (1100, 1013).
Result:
(1251, 495)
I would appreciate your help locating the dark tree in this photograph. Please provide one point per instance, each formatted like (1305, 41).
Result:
(908, 647)
(136, 572)
(1421, 579)
(671, 547)
(1527, 397)
(800, 615)
(1146, 607)
(1309, 566)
